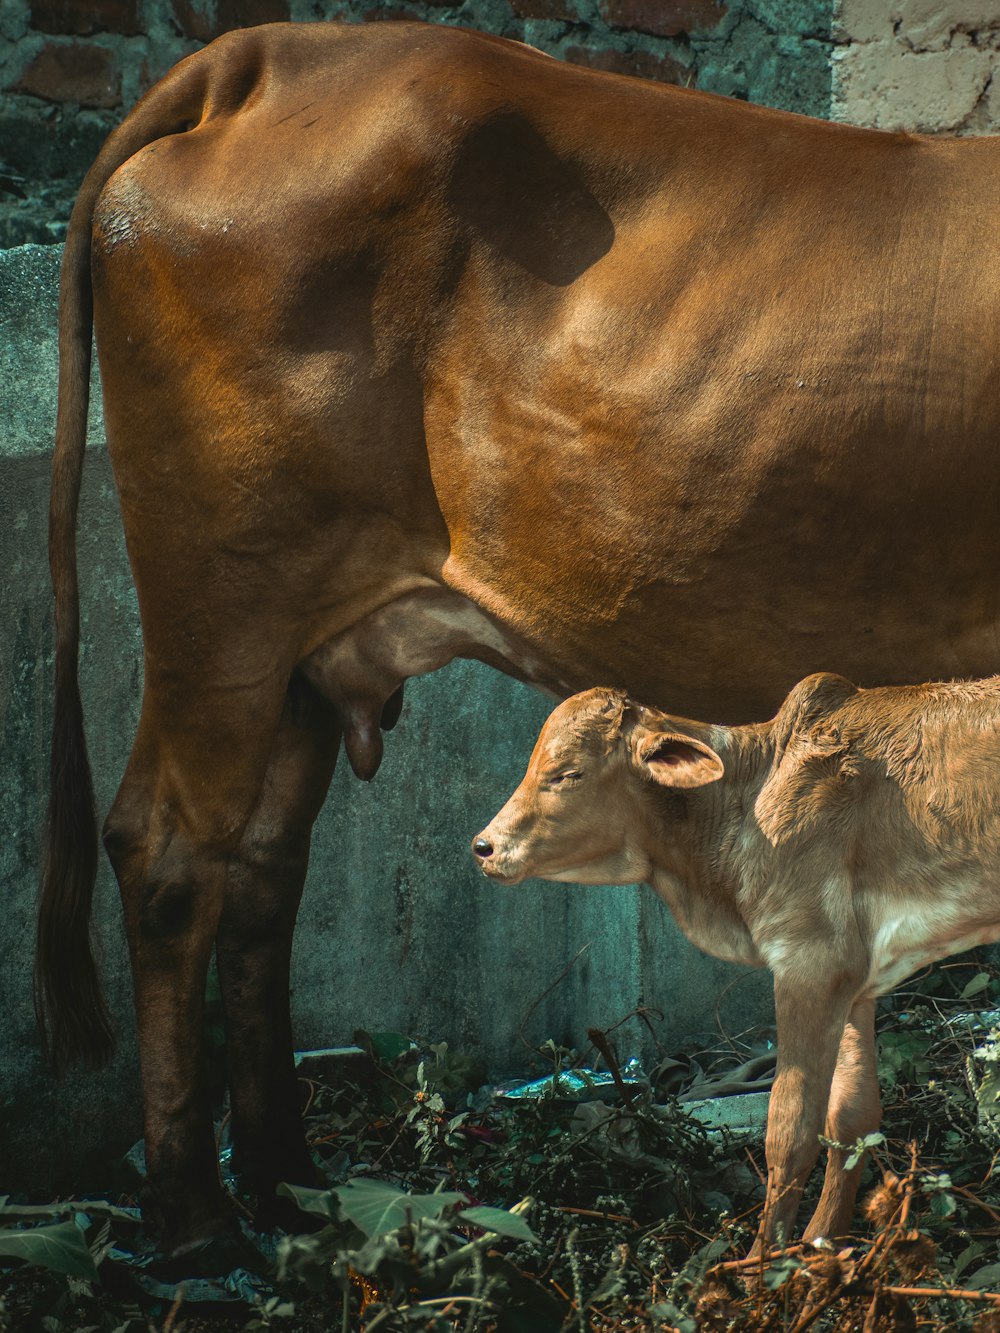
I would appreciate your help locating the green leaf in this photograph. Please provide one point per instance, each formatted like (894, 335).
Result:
(942, 1204)
(680, 1321)
(60, 1248)
(98, 1207)
(375, 1207)
(978, 984)
(939, 1182)
(860, 1148)
(306, 1259)
(903, 1056)
(969, 1255)
(713, 1250)
(983, 1278)
(318, 1202)
(780, 1271)
(613, 1284)
(384, 1046)
(500, 1221)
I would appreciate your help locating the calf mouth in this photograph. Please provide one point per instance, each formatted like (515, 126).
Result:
(500, 877)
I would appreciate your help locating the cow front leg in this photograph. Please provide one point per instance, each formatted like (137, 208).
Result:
(855, 1110)
(810, 1017)
(263, 889)
(191, 783)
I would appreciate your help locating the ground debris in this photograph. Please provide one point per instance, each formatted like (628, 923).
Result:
(453, 1210)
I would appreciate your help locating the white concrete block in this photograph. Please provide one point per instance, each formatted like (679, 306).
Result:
(744, 1114)
(887, 87)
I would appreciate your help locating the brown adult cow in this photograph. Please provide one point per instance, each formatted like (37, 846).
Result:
(419, 344)
(845, 844)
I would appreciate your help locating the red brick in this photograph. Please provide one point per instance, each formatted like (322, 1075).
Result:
(202, 21)
(389, 15)
(248, 13)
(663, 18)
(73, 72)
(558, 10)
(193, 19)
(82, 17)
(641, 64)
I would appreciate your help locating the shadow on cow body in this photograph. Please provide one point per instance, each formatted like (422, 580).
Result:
(530, 204)
(845, 844)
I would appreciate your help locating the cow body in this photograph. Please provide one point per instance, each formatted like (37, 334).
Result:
(848, 842)
(417, 344)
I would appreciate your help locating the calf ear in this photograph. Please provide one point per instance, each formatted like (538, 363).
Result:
(674, 760)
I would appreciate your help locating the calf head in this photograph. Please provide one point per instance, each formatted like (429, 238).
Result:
(583, 812)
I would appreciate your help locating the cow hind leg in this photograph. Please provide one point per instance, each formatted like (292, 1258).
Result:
(192, 783)
(263, 888)
(855, 1110)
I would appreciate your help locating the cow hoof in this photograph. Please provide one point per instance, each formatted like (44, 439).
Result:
(215, 1257)
(280, 1214)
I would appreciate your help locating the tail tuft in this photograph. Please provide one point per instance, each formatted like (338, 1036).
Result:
(73, 1020)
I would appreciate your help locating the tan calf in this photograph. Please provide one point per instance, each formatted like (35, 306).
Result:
(844, 844)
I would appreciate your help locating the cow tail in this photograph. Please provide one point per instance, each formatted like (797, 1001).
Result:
(73, 1019)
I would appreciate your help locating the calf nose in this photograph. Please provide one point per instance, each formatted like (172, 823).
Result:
(482, 848)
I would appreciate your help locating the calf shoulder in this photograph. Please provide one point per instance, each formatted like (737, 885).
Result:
(813, 777)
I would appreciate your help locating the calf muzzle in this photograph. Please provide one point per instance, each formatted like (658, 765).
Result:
(492, 859)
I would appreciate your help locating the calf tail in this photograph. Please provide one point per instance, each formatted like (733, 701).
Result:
(72, 1016)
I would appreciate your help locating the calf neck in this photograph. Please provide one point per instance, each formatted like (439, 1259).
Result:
(844, 844)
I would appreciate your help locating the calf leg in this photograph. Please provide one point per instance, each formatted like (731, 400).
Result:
(263, 889)
(810, 1016)
(855, 1110)
(191, 784)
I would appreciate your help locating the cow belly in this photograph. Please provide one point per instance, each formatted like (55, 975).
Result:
(361, 668)
(904, 944)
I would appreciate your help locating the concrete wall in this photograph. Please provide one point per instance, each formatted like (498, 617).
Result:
(398, 930)
(42, 1127)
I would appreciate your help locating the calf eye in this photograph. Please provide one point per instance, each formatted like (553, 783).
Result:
(570, 775)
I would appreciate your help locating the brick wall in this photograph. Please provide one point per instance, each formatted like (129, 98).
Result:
(927, 65)
(70, 68)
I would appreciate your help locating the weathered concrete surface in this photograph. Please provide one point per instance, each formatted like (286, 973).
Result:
(926, 65)
(39, 1123)
(398, 930)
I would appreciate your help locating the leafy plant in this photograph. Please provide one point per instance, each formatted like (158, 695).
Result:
(408, 1248)
(639, 1217)
(64, 1244)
